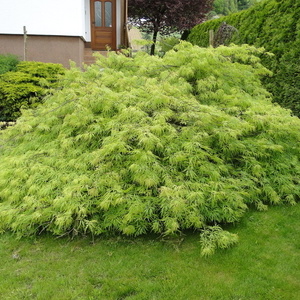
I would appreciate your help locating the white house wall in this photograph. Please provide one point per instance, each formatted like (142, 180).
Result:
(87, 12)
(43, 17)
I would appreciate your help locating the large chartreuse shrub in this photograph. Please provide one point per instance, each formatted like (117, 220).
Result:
(274, 25)
(25, 87)
(147, 144)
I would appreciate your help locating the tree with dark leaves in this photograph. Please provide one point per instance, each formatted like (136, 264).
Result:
(168, 16)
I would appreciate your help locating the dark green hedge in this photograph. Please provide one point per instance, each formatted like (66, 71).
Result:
(274, 25)
(8, 63)
(26, 87)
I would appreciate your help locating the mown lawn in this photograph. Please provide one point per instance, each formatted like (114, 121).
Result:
(264, 265)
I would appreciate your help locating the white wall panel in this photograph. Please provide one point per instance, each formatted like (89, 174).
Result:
(87, 21)
(43, 17)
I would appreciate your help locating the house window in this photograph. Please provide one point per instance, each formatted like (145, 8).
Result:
(98, 13)
(108, 14)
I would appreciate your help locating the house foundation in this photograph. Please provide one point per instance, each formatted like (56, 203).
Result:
(54, 49)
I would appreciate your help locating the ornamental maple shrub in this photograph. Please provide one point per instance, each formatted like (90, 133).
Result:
(148, 144)
(26, 86)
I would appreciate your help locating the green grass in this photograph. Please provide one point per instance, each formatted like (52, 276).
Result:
(264, 265)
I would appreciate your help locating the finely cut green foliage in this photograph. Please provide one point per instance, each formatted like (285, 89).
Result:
(148, 144)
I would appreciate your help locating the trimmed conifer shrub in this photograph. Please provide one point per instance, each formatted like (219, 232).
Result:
(147, 144)
(275, 26)
(26, 86)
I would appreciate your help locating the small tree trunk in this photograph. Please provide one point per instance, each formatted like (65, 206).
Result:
(185, 34)
(152, 51)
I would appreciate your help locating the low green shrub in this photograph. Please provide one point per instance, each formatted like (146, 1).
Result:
(274, 25)
(26, 87)
(8, 63)
(48, 71)
(149, 144)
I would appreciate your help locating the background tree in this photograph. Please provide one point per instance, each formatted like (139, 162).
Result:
(244, 4)
(226, 7)
(165, 17)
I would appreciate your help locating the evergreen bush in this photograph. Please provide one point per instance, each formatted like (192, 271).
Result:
(274, 25)
(148, 144)
(25, 87)
(8, 63)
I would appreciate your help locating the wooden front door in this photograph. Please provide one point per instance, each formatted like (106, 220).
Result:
(103, 24)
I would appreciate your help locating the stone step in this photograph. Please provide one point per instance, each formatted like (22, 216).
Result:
(89, 55)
